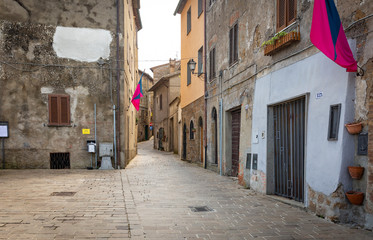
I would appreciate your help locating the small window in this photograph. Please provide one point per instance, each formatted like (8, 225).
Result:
(233, 44)
(286, 13)
(334, 116)
(192, 130)
(160, 102)
(189, 21)
(212, 64)
(189, 76)
(200, 7)
(200, 61)
(59, 110)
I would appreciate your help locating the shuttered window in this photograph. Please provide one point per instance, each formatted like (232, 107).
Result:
(59, 110)
(212, 64)
(160, 102)
(200, 7)
(286, 13)
(189, 21)
(233, 44)
(189, 75)
(200, 61)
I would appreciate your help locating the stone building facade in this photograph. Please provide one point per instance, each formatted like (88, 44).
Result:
(166, 93)
(253, 91)
(144, 115)
(59, 62)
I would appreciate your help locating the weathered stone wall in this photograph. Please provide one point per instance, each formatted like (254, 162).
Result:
(193, 112)
(31, 69)
(256, 24)
(144, 113)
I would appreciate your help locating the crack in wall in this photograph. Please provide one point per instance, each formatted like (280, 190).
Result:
(24, 7)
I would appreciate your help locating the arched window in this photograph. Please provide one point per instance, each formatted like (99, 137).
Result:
(192, 130)
(200, 122)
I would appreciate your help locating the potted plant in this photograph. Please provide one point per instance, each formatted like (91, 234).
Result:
(356, 172)
(354, 127)
(279, 41)
(355, 198)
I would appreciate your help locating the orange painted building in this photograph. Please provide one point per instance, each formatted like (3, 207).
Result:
(192, 85)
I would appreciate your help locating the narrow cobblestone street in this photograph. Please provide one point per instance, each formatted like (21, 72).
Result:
(156, 197)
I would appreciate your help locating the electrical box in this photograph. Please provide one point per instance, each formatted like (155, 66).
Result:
(91, 146)
(362, 144)
(106, 149)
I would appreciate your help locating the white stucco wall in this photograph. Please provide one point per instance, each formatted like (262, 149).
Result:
(325, 160)
(82, 44)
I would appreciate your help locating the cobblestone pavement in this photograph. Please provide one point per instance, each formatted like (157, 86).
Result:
(164, 191)
(154, 198)
(31, 208)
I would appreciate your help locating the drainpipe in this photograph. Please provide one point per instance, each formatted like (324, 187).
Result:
(221, 135)
(95, 134)
(117, 124)
(205, 97)
(115, 143)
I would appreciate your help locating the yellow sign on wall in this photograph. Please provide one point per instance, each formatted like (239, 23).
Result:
(86, 131)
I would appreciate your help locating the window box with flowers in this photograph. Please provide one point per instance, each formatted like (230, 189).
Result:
(280, 41)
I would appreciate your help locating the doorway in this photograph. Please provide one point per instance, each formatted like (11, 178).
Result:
(236, 127)
(289, 135)
(184, 141)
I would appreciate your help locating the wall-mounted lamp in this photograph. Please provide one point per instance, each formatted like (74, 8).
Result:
(192, 66)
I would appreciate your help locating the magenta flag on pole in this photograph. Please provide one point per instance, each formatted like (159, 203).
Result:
(328, 36)
(138, 94)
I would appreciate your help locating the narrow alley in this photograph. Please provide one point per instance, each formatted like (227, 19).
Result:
(157, 196)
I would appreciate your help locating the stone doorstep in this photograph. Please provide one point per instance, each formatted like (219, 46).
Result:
(288, 201)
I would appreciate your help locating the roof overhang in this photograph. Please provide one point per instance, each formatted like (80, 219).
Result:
(180, 6)
(136, 12)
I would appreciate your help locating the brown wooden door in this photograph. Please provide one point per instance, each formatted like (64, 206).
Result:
(236, 123)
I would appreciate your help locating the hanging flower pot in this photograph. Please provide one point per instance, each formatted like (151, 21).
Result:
(354, 128)
(355, 198)
(356, 172)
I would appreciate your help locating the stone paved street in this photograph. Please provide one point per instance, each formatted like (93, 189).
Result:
(154, 198)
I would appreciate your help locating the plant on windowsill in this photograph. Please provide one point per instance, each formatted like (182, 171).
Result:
(194, 130)
(280, 41)
(354, 127)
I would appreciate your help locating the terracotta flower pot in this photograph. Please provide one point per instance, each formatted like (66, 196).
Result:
(356, 172)
(355, 198)
(353, 128)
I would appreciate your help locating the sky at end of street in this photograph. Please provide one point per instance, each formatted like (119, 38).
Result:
(159, 38)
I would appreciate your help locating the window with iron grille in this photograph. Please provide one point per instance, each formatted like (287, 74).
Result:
(191, 130)
(59, 109)
(200, 7)
(286, 13)
(189, 20)
(233, 44)
(189, 75)
(200, 61)
(334, 116)
(212, 64)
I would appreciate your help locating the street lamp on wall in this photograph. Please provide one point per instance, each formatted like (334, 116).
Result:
(192, 66)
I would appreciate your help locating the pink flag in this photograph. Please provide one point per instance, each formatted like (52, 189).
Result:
(328, 36)
(138, 94)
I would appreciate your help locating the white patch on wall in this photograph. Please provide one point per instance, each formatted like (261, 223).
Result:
(82, 44)
(46, 90)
